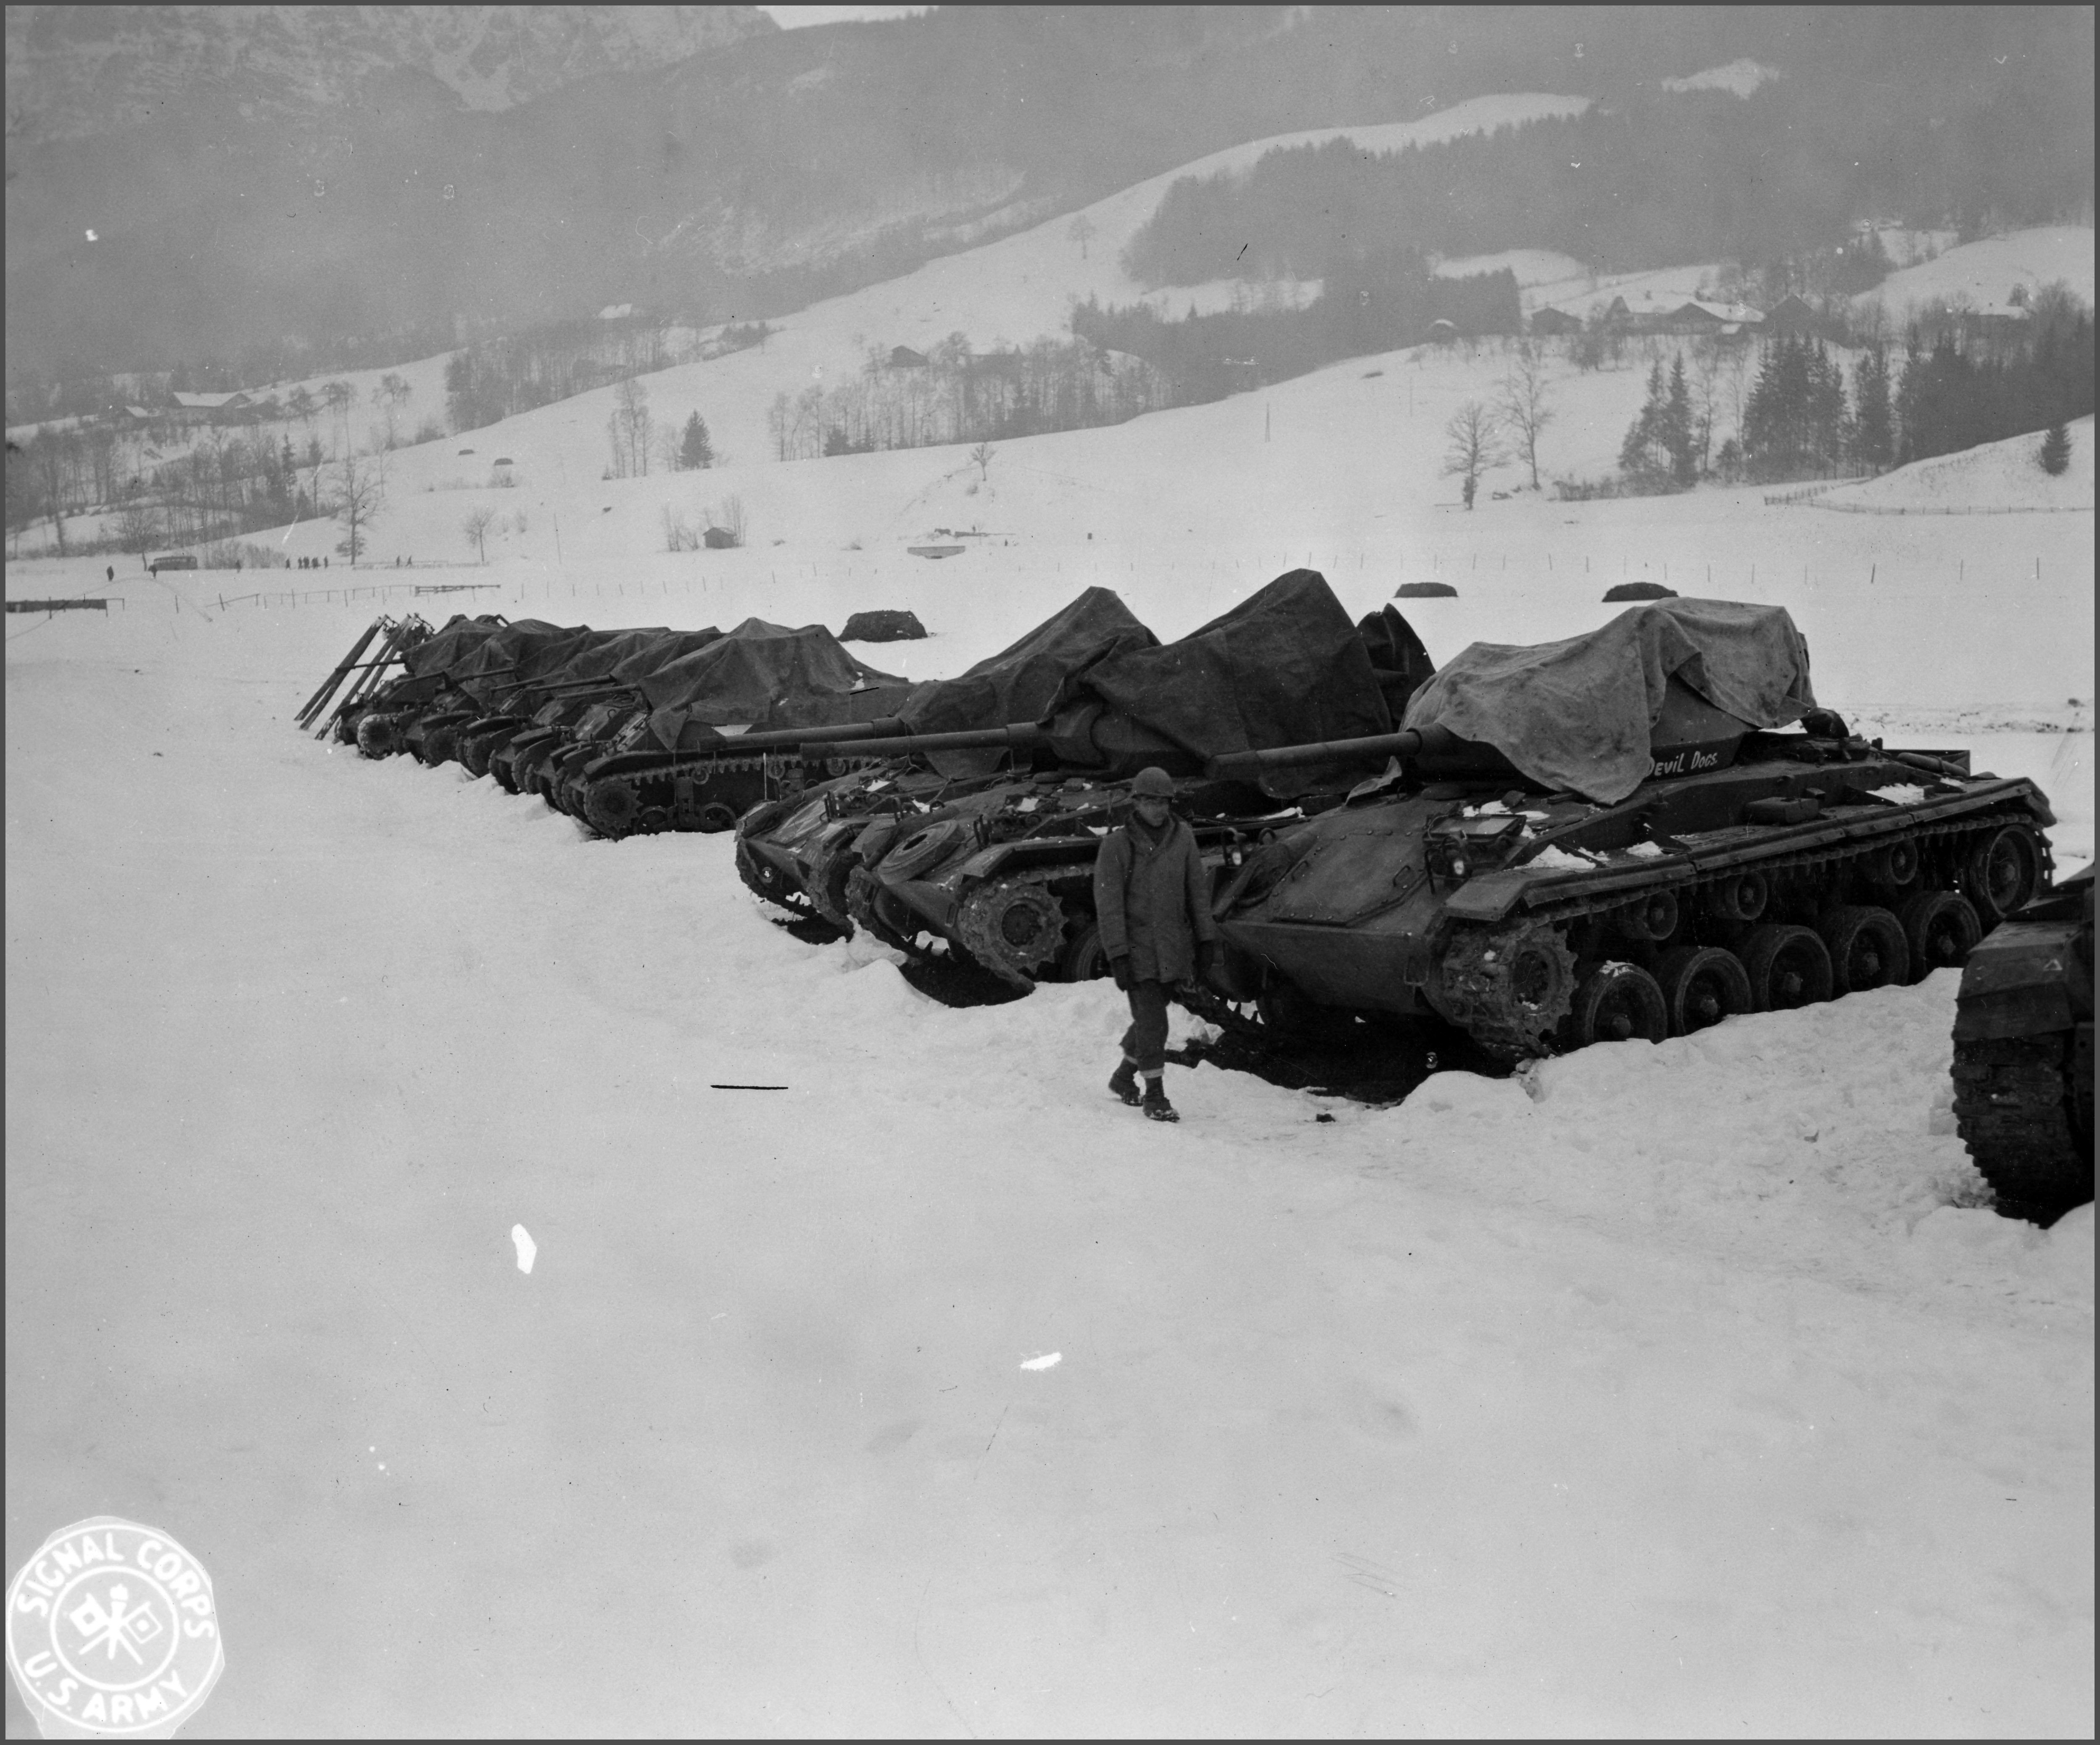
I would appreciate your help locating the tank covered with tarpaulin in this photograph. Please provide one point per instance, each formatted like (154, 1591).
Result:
(1576, 714)
(1000, 865)
(596, 685)
(1607, 837)
(1286, 666)
(736, 680)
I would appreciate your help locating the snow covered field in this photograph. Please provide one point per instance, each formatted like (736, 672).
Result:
(1660, 1391)
(1653, 1391)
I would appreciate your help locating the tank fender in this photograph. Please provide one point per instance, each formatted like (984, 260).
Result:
(2025, 978)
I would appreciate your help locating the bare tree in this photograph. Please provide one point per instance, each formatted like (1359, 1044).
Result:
(732, 518)
(339, 397)
(980, 459)
(630, 428)
(1709, 365)
(137, 527)
(360, 492)
(1473, 444)
(476, 526)
(1523, 402)
(1082, 232)
(392, 393)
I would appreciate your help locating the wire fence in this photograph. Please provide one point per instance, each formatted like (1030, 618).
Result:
(1882, 508)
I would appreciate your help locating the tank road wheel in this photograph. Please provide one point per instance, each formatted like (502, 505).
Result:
(2003, 867)
(1893, 867)
(1615, 1003)
(439, 745)
(1788, 967)
(715, 818)
(1013, 926)
(474, 753)
(1651, 918)
(1941, 930)
(1701, 984)
(1083, 958)
(1738, 895)
(610, 807)
(1868, 949)
(504, 769)
(2010, 1108)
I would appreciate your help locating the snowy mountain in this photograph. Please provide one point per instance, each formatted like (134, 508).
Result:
(77, 72)
(359, 175)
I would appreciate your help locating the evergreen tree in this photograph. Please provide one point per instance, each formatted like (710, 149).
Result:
(1642, 450)
(2055, 455)
(1673, 429)
(695, 450)
(1873, 434)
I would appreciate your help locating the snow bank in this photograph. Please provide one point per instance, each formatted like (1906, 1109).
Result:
(298, 1044)
(2003, 475)
(1986, 271)
(1739, 77)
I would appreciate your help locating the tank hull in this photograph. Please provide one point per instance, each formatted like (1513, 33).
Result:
(1540, 922)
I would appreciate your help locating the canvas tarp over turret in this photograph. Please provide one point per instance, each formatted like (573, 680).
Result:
(1576, 714)
(1022, 682)
(1285, 667)
(627, 655)
(738, 679)
(519, 652)
(442, 648)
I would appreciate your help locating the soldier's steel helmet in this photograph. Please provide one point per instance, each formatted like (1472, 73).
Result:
(1151, 783)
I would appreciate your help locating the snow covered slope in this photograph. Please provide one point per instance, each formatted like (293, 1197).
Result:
(1443, 1416)
(2003, 475)
(1988, 272)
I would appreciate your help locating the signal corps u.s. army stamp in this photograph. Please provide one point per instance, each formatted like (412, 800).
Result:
(112, 1630)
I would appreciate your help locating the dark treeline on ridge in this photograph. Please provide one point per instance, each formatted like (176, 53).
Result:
(1695, 176)
(1364, 306)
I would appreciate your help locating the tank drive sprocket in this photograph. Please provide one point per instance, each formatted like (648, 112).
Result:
(1509, 987)
(1014, 926)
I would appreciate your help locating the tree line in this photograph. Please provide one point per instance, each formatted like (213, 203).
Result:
(957, 396)
(1661, 177)
(1364, 306)
(1802, 418)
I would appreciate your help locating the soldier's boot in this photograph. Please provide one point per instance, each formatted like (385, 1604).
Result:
(1123, 1084)
(1157, 1107)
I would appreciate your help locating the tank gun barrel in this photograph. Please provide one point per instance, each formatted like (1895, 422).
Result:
(1434, 748)
(1017, 736)
(1244, 765)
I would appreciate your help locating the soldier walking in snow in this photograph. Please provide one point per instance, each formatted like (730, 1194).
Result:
(1152, 899)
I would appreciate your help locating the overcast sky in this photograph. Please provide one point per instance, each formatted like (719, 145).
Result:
(793, 17)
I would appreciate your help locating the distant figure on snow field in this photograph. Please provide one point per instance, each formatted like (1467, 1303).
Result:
(1152, 899)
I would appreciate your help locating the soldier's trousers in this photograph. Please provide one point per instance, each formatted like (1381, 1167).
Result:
(1145, 1043)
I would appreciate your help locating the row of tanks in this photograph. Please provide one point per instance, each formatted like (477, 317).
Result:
(541, 708)
(1636, 832)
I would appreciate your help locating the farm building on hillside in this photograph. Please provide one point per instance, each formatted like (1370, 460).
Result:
(1718, 320)
(903, 357)
(1552, 323)
(1792, 314)
(209, 408)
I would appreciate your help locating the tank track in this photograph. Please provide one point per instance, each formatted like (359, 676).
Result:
(2014, 1110)
(1492, 1022)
